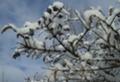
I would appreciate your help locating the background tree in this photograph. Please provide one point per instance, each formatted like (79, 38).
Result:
(91, 54)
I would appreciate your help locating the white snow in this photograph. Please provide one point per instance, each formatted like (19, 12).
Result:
(65, 42)
(58, 4)
(60, 20)
(87, 55)
(47, 15)
(86, 42)
(19, 50)
(72, 38)
(41, 20)
(66, 27)
(33, 26)
(60, 47)
(69, 40)
(58, 66)
(68, 63)
(37, 43)
(50, 7)
(93, 12)
(27, 23)
(53, 25)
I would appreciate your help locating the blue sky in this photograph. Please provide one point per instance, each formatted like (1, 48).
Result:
(19, 11)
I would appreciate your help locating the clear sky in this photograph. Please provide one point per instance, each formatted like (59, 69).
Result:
(19, 11)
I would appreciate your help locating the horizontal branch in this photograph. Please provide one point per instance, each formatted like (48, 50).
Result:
(45, 50)
(90, 69)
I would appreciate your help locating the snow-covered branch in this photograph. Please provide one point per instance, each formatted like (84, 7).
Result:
(92, 53)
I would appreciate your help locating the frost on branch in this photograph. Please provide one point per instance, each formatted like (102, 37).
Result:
(27, 29)
(88, 14)
(92, 54)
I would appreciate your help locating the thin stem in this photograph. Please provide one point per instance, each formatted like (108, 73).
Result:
(86, 31)
(81, 19)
